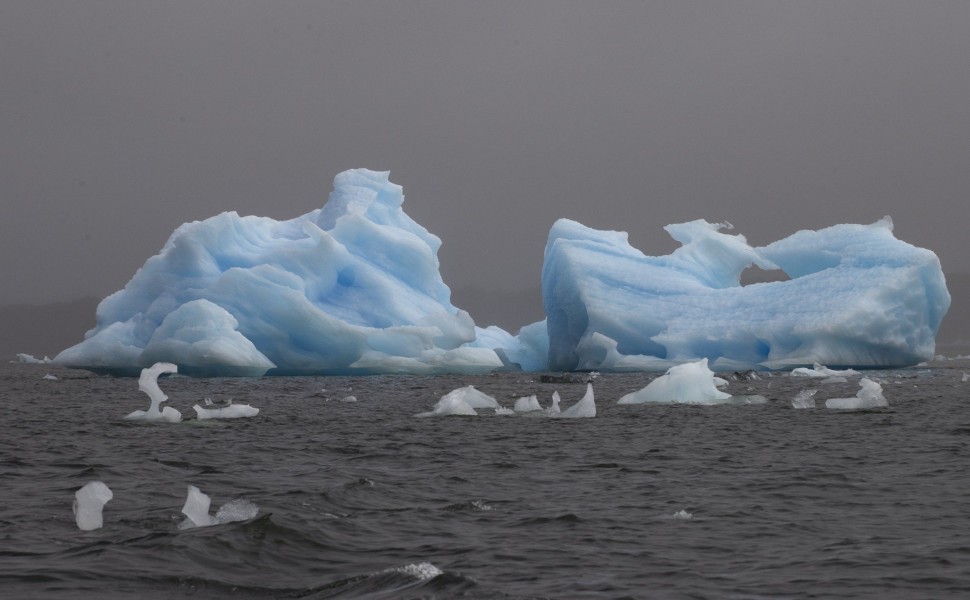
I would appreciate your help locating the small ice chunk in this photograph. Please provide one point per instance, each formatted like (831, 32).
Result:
(868, 396)
(820, 371)
(583, 409)
(965, 377)
(29, 359)
(527, 404)
(232, 411)
(420, 571)
(196, 509)
(553, 409)
(236, 510)
(804, 399)
(683, 515)
(50, 377)
(88, 503)
(349, 399)
(457, 402)
(504, 411)
(148, 383)
(689, 383)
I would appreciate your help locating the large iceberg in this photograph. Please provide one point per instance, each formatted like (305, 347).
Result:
(353, 287)
(857, 296)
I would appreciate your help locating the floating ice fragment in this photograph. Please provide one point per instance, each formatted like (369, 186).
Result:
(683, 515)
(50, 377)
(230, 411)
(553, 409)
(148, 383)
(29, 359)
(689, 383)
(459, 402)
(236, 510)
(349, 399)
(965, 377)
(504, 411)
(868, 396)
(585, 408)
(804, 399)
(88, 503)
(420, 571)
(527, 404)
(820, 371)
(196, 510)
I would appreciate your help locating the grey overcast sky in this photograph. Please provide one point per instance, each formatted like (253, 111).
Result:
(120, 120)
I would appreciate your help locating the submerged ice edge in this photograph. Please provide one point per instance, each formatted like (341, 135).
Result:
(355, 288)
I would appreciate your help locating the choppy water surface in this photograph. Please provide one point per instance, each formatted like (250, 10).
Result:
(362, 500)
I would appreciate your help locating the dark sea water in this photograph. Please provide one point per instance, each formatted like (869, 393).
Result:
(363, 500)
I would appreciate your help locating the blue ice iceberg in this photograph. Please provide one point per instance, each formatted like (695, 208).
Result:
(857, 297)
(353, 287)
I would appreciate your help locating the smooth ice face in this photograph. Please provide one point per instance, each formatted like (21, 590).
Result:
(689, 383)
(527, 404)
(353, 287)
(462, 401)
(868, 396)
(585, 408)
(196, 509)
(88, 504)
(857, 297)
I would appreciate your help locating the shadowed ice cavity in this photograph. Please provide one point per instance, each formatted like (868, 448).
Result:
(868, 396)
(88, 503)
(196, 510)
(148, 383)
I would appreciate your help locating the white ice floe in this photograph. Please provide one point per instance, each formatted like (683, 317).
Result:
(227, 411)
(821, 371)
(804, 399)
(585, 408)
(868, 396)
(88, 504)
(689, 383)
(148, 383)
(683, 515)
(50, 377)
